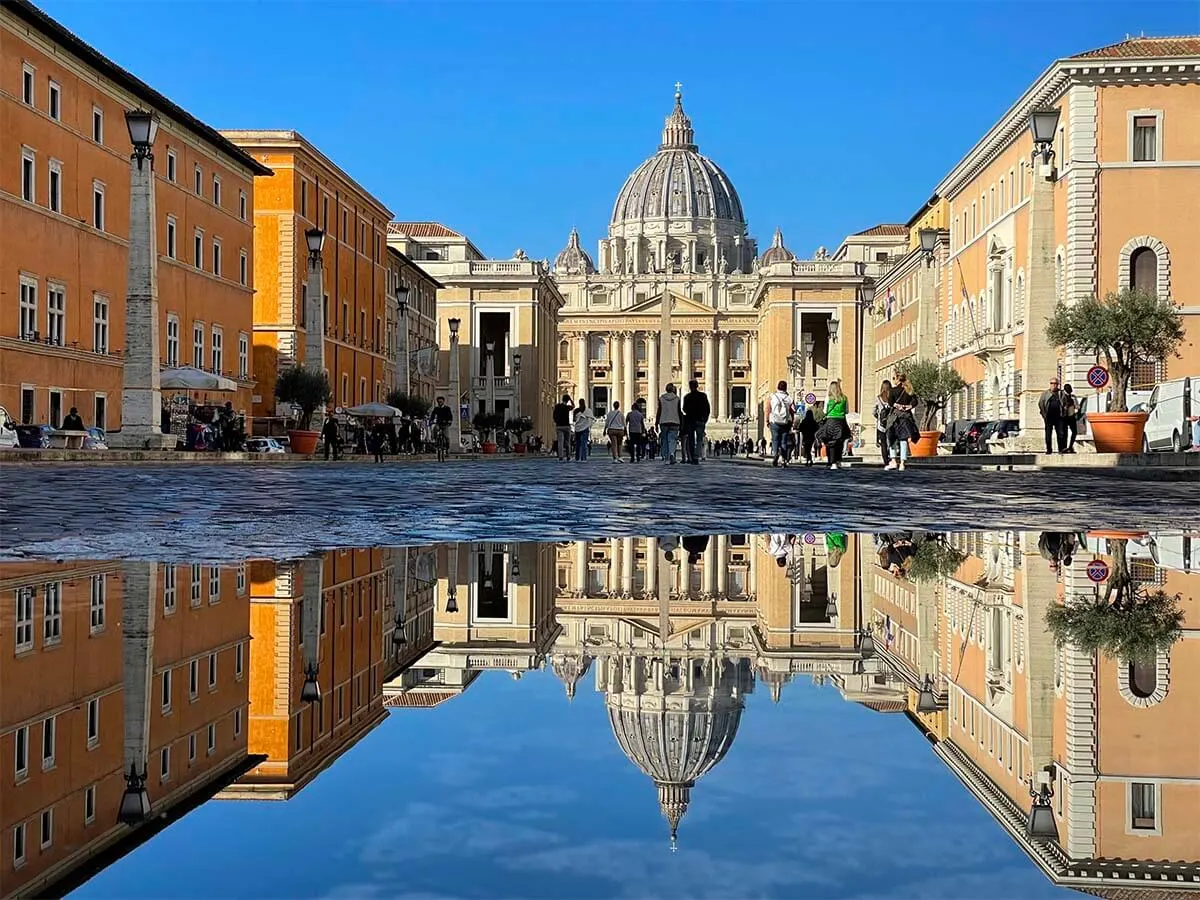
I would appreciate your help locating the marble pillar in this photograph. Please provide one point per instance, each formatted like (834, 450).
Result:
(581, 564)
(581, 368)
(616, 359)
(629, 387)
(627, 566)
(722, 398)
(710, 568)
(710, 365)
(137, 651)
(722, 565)
(652, 388)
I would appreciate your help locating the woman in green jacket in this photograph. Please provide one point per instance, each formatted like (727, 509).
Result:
(834, 432)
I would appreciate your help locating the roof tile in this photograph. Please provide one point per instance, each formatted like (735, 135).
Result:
(884, 230)
(422, 229)
(1146, 48)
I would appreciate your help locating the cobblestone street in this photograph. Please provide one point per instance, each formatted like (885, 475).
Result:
(230, 512)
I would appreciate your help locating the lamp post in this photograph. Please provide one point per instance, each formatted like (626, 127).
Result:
(137, 651)
(489, 371)
(455, 389)
(1040, 824)
(809, 346)
(926, 699)
(312, 571)
(517, 385)
(866, 643)
(795, 364)
(141, 391)
(402, 307)
(864, 311)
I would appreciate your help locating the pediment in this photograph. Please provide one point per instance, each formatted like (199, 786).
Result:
(680, 306)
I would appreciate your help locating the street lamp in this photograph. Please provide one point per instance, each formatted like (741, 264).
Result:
(489, 371)
(143, 128)
(310, 691)
(831, 609)
(399, 638)
(402, 307)
(315, 239)
(455, 387)
(926, 700)
(834, 325)
(1040, 824)
(451, 602)
(1043, 123)
(928, 238)
(866, 643)
(135, 802)
(517, 383)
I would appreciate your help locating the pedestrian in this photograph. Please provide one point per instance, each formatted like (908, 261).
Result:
(379, 439)
(73, 421)
(562, 427)
(901, 427)
(669, 418)
(883, 407)
(780, 414)
(696, 410)
(1070, 405)
(329, 431)
(582, 427)
(1195, 420)
(833, 431)
(808, 436)
(1050, 405)
(651, 442)
(635, 427)
(614, 427)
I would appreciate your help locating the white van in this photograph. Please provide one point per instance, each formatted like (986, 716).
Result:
(1170, 405)
(8, 430)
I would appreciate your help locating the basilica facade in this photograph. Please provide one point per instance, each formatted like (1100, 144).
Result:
(680, 291)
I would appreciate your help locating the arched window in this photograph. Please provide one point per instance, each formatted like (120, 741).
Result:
(1143, 678)
(1143, 270)
(697, 351)
(738, 348)
(599, 348)
(564, 351)
(640, 349)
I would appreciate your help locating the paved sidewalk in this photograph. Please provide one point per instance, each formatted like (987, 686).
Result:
(219, 512)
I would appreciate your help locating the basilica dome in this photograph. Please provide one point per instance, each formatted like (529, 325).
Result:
(677, 182)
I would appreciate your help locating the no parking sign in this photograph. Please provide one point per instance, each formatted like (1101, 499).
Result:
(1097, 377)
(1097, 571)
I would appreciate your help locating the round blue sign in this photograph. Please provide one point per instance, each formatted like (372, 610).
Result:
(1097, 571)
(1097, 377)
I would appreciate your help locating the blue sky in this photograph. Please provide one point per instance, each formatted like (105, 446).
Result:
(511, 790)
(515, 121)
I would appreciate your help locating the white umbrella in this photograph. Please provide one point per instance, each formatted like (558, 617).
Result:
(189, 378)
(374, 410)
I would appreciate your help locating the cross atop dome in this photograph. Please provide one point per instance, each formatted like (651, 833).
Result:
(677, 132)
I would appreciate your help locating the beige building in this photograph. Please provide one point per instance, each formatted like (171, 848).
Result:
(411, 326)
(679, 290)
(507, 310)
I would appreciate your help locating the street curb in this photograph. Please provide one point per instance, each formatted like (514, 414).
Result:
(24, 457)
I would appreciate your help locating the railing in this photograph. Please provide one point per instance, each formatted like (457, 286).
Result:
(827, 267)
(993, 342)
(505, 267)
(502, 382)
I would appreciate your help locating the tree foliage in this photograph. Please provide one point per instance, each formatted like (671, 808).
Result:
(933, 383)
(304, 388)
(520, 426)
(488, 423)
(1125, 327)
(410, 404)
(934, 559)
(1135, 628)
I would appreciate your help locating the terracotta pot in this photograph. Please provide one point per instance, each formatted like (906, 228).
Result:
(926, 446)
(519, 448)
(1117, 432)
(304, 442)
(488, 447)
(1118, 535)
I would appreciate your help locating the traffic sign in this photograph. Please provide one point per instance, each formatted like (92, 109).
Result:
(1097, 571)
(810, 538)
(810, 398)
(1097, 377)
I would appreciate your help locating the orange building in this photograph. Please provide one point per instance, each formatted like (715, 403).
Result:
(64, 214)
(66, 634)
(307, 190)
(324, 615)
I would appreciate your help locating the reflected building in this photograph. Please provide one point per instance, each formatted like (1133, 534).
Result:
(131, 709)
(317, 664)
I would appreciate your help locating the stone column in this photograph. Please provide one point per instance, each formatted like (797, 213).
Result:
(615, 360)
(312, 571)
(651, 565)
(723, 376)
(137, 652)
(754, 412)
(664, 345)
(1041, 588)
(652, 387)
(710, 568)
(455, 436)
(581, 368)
(581, 561)
(710, 363)
(722, 565)
(627, 566)
(754, 549)
(141, 394)
(629, 366)
(868, 380)
(1039, 360)
(314, 315)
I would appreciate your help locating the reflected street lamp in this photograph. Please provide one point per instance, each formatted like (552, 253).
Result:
(926, 699)
(135, 802)
(1040, 824)
(866, 643)
(310, 692)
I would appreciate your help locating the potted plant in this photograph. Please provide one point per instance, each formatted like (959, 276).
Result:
(1123, 621)
(1125, 327)
(487, 424)
(520, 426)
(933, 384)
(308, 390)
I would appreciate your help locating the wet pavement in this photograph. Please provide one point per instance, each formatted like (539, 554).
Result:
(234, 512)
(811, 713)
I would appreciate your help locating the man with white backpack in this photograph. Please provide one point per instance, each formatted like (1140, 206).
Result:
(780, 413)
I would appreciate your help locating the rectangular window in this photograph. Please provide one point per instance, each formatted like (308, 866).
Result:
(49, 732)
(325, 214)
(216, 190)
(56, 314)
(198, 345)
(54, 190)
(243, 268)
(1145, 138)
(97, 125)
(193, 678)
(172, 345)
(98, 602)
(165, 691)
(172, 169)
(1143, 806)
(172, 244)
(29, 309)
(303, 199)
(54, 107)
(21, 751)
(243, 206)
(27, 82)
(194, 595)
(243, 368)
(214, 575)
(98, 205)
(237, 723)
(93, 722)
(239, 661)
(99, 324)
(52, 621)
(28, 172)
(212, 671)
(198, 249)
(19, 845)
(191, 748)
(89, 805)
(47, 828)
(164, 764)
(198, 182)
(216, 247)
(168, 590)
(212, 739)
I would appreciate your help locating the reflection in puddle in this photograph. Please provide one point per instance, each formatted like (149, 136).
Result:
(1053, 674)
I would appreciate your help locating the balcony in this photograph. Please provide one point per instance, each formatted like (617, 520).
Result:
(502, 382)
(992, 343)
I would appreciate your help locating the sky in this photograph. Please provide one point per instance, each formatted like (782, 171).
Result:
(512, 790)
(513, 122)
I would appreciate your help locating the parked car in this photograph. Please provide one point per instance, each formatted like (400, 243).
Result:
(8, 430)
(1170, 405)
(96, 439)
(967, 439)
(996, 430)
(264, 445)
(34, 437)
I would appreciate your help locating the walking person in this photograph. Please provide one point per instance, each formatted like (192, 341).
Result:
(808, 436)
(329, 432)
(696, 410)
(1050, 405)
(669, 418)
(379, 439)
(562, 427)
(582, 428)
(1070, 404)
(902, 427)
(635, 427)
(834, 431)
(781, 411)
(614, 427)
(883, 408)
